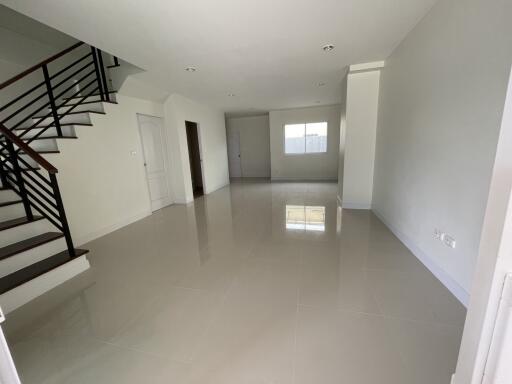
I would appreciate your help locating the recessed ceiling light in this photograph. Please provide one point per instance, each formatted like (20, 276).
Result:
(231, 94)
(321, 84)
(191, 69)
(328, 47)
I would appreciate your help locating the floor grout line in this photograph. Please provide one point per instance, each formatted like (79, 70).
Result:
(382, 315)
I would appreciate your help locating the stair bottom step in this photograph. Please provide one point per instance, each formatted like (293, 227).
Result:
(30, 282)
(37, 269)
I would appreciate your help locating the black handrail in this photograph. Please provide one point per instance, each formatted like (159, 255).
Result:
(40, 160)
(38, 191)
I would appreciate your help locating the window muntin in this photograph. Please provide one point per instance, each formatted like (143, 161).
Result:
(305, 138)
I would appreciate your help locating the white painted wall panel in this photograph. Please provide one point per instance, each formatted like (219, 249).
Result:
(312, 166)
(254, 134)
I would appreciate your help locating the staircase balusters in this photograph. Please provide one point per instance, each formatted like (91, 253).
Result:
(13, 158)
(41, 192)
(103, 75)
(97, 71)
(49, 91)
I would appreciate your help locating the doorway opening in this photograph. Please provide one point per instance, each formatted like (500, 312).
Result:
(194, 157)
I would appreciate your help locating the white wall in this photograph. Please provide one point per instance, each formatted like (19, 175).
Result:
(361, 127)
(254, 134)
(313, 166)
(212, 137)
(483, 336)
(441, 101)
(343, 130)
(102, 183)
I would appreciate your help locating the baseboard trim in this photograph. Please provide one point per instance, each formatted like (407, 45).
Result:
(302, 179)
(208, 191)
(182, 201)
(346, 205)
(460, 293)
(80, 240)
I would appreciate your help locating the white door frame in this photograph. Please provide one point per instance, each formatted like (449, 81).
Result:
(166, 165)
(493, 263)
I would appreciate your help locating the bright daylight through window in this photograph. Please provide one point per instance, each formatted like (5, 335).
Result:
(305, 138)
(302, 217)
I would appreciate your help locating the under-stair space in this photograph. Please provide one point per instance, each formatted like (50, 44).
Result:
(44, 104)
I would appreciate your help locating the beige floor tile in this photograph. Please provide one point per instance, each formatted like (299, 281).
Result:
(331, 286)
(173, 326)
(222, 291)
(344, 347)
(86, 361)
(429, 351)
(250, 342)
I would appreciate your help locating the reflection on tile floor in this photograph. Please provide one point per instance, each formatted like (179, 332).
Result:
(224, 291)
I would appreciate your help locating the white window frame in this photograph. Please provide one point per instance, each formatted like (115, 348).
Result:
(305, 153)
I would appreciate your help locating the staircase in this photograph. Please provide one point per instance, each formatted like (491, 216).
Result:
(39, 107)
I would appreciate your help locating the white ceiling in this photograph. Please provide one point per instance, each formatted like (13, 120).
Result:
(267, 53)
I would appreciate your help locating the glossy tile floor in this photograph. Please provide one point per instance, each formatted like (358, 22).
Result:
(255, 283)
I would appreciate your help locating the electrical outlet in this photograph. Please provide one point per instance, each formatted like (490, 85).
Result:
(444, 238)
(449, 241)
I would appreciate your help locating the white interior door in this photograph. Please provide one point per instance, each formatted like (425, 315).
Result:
(155, 160)
(234, 162)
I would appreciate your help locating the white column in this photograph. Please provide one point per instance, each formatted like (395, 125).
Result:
(362, 100)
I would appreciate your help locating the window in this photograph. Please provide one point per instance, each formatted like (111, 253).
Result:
(300, 217)
(305, 138)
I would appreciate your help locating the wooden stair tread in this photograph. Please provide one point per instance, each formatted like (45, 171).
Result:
(42, 151)
(27, 244)
(45, 152)
(46, 138)
(43, 138)
(54, 137)
(12, 202)
(69, 113)
(61, 124)
(94, 94)
(26, 274)
(16, 222)
(88, 102)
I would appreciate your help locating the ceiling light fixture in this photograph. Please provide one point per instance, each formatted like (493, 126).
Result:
(328, 47)
(321, 84)
(191, 69)
(231, 94)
